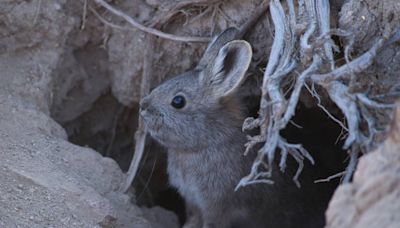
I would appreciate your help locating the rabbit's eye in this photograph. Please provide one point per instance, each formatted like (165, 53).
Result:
(178, 102)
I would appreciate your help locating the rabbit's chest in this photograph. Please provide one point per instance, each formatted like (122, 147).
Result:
(203, 178)
(190, 176)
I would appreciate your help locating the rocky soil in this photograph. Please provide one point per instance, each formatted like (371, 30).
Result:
(372, 200)
(45, 181)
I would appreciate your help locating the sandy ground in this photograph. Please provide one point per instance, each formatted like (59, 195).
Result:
(48, 182)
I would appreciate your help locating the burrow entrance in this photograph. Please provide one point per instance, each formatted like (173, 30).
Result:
(109, 127)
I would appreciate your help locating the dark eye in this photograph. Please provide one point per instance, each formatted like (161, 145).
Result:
(178, 102)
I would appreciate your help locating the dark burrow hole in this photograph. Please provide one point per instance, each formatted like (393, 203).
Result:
(108, 127)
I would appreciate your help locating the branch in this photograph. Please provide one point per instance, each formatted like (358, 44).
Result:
(294, 98)
(152, 31)
(165, 17)
(330, 177)
(323, 14)
(338, 93)
(357, 65)
(351, 166)
(313, 42)
(364, 99)
(281, 63)
(319, 104)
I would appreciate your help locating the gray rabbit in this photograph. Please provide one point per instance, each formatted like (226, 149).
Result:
(198, 116)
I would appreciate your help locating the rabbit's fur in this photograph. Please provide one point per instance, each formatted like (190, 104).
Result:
(205, 145)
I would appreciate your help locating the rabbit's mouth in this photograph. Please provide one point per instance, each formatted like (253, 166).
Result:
(152, 122)
(154, 125)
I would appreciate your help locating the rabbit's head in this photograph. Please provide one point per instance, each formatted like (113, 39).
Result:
(200, 108)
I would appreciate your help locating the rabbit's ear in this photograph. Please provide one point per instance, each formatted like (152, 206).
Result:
(215, 45)
(228, 70)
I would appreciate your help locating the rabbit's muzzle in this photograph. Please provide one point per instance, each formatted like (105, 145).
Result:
(152, 118)
(144, 103)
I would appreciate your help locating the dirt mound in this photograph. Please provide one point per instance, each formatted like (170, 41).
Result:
(372, 199)
(47, 181)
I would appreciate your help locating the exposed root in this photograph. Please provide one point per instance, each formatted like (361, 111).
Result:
(330, 177)
(150, 30)
(146, 184)
(140, 134)
(314, 47)
(177, 8)
(356, 66)
(37, 12)
(84, 14)
(106, 22)
(314, 93)
(338, 92)
(373, 104)
(351, 167)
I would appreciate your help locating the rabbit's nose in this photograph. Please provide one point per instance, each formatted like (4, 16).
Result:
(144, 103)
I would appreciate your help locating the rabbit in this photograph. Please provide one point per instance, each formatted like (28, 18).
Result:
(198, 117)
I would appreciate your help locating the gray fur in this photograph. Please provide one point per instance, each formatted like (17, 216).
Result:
(205, 144)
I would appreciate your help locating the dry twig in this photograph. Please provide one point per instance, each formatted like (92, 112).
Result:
(37, 11)
(165, 17)
(140, 134)
(331, 177)
(351, 167)
(84, 14)
(152, 31)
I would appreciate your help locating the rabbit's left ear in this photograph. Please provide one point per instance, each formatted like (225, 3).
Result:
(226, 73)
(215, 45)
